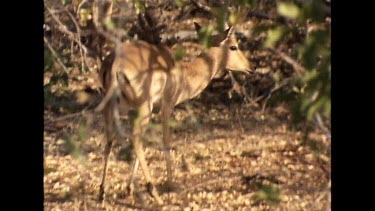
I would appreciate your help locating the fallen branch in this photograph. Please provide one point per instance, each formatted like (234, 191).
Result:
(69, 116)
(212, 181)
(225, 180)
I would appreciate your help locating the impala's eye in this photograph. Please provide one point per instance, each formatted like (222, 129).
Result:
(233, 48)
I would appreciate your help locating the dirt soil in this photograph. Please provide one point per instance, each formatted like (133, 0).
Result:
(226, 158)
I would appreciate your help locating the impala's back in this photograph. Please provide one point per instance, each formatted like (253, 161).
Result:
(141, 71)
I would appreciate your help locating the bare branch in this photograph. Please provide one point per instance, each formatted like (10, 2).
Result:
(179, 36)
(79, 37)
(48, 44)
(110, 93)
(201, 6)
(68, 116)
(212, 181)
(262, 15)
(297, 67)
(274, 89)
(64, 29)
(101, 16)
(320, 124)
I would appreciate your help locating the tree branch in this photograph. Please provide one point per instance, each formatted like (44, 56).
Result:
(48, 44)
(79, 38)
(296, 66)
(262, 15)
(64, 29)
(201, 6)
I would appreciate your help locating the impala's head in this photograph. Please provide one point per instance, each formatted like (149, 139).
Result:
(232, 57)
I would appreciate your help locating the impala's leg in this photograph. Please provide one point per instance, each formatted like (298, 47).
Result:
(109, 128)
(140, 125)
(166, 113)
(130, 187)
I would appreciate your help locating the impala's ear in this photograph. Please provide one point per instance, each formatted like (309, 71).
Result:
(197, 26)
(229, 32)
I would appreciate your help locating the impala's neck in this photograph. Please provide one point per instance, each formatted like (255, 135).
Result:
(198, 73)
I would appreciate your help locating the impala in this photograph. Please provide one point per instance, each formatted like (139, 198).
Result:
(148, 77)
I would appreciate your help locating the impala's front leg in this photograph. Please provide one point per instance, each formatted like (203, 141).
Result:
(140, 125)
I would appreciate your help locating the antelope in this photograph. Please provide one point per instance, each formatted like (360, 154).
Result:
(148, 77)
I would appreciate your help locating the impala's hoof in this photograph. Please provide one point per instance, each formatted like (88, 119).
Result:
(101, 193)
(154, 193)
(130, 189)
(101, 197)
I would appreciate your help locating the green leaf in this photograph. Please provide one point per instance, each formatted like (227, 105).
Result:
(85, 14)
(248, 2)
(221, 15)
(82, 132)
(315, 107)
(140, 6)
(180, 53)
(110, 24)
(274, 35)
(65, 2)
(179, 3)
(268, 193)
(204, 35)
(48, 170)
(72, 147)
(64, 80)
(48, 60)
(288, 10)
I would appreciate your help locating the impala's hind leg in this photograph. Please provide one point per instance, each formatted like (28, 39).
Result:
(166, 113)
(130, 187)
(140, 125)
(109, 129)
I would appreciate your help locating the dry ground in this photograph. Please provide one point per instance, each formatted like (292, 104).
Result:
(222, 156)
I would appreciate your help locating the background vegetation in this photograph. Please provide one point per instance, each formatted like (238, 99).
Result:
(288, 43)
